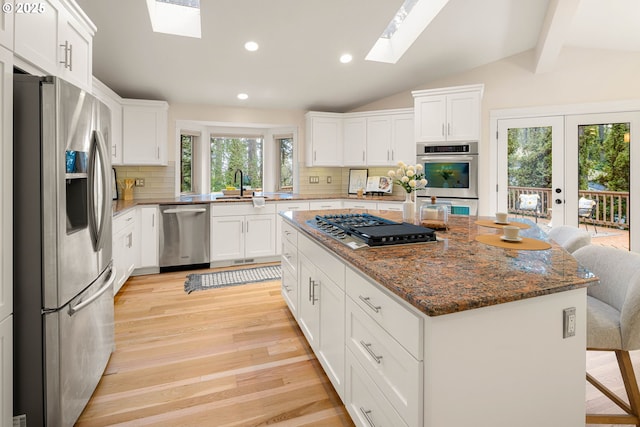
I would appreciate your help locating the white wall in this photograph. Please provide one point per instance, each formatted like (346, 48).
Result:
(580, 76)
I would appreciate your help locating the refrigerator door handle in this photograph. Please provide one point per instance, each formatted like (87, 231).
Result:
(97, 230)
(112, 277)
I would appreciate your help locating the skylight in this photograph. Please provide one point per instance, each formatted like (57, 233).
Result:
(178, 17)
(406, 25)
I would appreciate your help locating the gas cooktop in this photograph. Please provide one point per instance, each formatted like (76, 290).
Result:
(363, 230)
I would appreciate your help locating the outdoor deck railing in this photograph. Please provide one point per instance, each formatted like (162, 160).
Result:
(611, 209)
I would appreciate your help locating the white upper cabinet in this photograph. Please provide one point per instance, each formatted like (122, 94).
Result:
(354, 141)
(6, 27)
(379, 140)
(56, 37)
(114, 103)
(144, 132)
(372, 138)
(323, 139)
(448, 114)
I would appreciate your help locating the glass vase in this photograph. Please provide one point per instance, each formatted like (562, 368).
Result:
(409, 208)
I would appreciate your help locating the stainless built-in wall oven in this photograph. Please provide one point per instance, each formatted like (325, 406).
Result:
(451, 170)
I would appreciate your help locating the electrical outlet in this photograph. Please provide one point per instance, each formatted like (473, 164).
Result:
(568, 322)
(314, 180)
(328, 180)
(139, 182)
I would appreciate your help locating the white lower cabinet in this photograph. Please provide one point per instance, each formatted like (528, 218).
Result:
(359, 204)
(242, 232)
(390, 206)
(125, 248)
(315, 205)
(364, 401)
(321, 308)
(283, 207)
(149, 238)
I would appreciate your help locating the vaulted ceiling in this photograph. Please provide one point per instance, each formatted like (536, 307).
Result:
(297, 65)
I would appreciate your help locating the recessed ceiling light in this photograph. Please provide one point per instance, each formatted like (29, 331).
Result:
(243, 96)
(346, 58)
(251, 46)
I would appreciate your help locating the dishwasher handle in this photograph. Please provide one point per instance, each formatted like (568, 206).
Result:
(188, 210)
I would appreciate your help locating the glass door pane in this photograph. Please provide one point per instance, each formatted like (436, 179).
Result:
(530, 180)
(602, 202)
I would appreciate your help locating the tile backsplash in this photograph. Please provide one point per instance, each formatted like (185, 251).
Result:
(158, 180)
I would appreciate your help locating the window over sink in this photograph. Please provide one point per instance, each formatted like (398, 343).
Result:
(230, 153)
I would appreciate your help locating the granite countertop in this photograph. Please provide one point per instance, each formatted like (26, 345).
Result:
(120, 206)
(457, 273)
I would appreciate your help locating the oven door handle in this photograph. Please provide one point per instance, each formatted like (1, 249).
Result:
(437, 158)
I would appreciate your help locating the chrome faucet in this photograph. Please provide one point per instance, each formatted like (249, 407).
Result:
(235, 179)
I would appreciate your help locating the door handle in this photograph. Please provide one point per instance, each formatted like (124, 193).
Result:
(112, 277)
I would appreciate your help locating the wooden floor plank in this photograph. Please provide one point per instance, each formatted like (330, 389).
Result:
(226, 357)
(229, 357)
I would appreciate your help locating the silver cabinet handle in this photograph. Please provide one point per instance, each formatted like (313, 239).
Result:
(442, 129)
(366, 413)
(363, 156)
(68, 54)
(393, 155)
(368, 348)
(313, 292)
(367, 301)
(309, 288)
(387, 154)
(448, 128)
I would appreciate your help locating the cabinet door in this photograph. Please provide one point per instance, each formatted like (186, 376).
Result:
(332, 328)
(430, 118)
(148, 237)
(403, 141)
(6, 28)
(308, 308)
(144, 133)
(326, 141)
(379, 141)
(354, 141)
(227, 238)
(463, 116)
(112, 101)
(36, 36)
(6, 183)
(6, 371)
(75, 52)
(260, 235)
(290, 289)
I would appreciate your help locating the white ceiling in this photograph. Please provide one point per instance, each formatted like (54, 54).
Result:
(300, 41)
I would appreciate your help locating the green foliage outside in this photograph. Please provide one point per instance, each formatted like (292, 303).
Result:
(286, 164)
(603, 158)
(230, 154)
(186, 150)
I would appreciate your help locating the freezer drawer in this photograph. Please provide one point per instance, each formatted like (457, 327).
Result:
(184, 235)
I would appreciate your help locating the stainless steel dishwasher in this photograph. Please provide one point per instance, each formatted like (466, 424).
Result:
(184, 235)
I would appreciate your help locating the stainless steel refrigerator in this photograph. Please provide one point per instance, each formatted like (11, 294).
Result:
(63, 273)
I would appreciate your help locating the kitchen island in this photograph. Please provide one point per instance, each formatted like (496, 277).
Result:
(448, 333)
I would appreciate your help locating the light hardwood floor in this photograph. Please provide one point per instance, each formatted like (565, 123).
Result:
(228, 357)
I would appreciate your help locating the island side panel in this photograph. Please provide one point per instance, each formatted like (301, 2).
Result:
(507, 365)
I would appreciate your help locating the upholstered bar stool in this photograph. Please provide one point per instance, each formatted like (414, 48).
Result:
(613, 322)
(570, 238)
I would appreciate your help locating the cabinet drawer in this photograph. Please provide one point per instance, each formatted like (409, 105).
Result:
(405, 326)
(230, 209)
(388, 206)
(292, 206)
(323, 260)
(325, 204)
(290, 289)
(390, 366)
(354, 204)
(364, 401)
(123, 220)
(289, 255)
(290, 233)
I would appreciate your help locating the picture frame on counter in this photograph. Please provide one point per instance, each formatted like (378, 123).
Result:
(357, 180)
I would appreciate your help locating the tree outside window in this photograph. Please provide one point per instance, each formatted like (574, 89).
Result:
(186, 163)
(229, 154)
(285, 151)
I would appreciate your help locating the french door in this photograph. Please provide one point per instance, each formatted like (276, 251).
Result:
(531, 161)
(574, 161)
(599, 151)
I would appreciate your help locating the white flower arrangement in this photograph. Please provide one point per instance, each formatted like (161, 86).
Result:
(409, 177)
